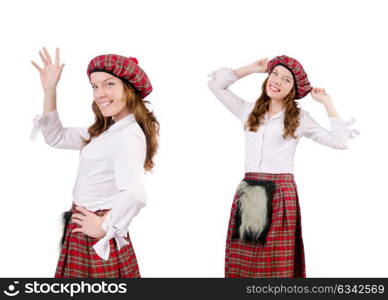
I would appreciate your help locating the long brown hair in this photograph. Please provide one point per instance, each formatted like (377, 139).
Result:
(144, 117)
(291, 114)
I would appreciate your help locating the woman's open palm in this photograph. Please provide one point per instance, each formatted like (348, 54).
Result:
(50, 73)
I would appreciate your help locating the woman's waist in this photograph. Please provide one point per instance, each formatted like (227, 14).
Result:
(97, 211)
(97, 186)
(269, 167)
(269, 176)
(93, 203)
(93, 194)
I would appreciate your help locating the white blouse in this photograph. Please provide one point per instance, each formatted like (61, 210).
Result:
(266, 151)
(110, 172)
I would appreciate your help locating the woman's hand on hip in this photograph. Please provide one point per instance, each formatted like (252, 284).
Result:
(90, 224)
(50, 73)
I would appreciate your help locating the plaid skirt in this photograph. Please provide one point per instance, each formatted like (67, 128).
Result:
(282, 254)
(78, 259)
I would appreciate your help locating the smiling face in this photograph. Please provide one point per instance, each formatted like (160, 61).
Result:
(108, 94)
(280, 83)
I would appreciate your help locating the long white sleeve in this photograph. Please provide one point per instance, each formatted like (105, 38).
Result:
(56, 135)
(336, 138)
(222, 79)
(128, 164)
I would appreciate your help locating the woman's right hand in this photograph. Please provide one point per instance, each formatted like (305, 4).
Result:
(50, 73)
(259, 66)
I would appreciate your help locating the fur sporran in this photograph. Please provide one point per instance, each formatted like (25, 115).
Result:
(254, 210)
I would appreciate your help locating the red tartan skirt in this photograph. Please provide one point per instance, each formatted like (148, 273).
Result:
(79, 260)
(282, 254)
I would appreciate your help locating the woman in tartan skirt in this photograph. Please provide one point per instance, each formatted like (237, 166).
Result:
(264, 236)
(114, 152)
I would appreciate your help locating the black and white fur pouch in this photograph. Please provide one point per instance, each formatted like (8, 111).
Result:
(254, 210)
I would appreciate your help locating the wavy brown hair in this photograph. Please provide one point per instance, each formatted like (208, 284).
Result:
(144, 117)
(291, 114)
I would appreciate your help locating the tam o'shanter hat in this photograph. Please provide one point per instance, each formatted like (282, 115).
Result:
(301, 81)
(125, 68)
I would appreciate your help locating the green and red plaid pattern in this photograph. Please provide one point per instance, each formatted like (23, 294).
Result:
(79, 260)
(302, 83)
(123, 67)
(282, 254)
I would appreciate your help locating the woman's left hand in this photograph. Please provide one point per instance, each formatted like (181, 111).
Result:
(90, 224)
(320, 95)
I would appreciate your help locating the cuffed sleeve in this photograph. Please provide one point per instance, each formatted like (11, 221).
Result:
(55, 134)
(336, 138)
(352, 131)
(221, 80)
(131, 197)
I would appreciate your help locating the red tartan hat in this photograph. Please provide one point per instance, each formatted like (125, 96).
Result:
(302, 83)
(126, 68)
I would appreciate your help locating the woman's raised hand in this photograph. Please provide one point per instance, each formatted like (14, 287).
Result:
(50, 73)
(259, 66)
(320, 95)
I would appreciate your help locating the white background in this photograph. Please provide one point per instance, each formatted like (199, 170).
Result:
(182, 230)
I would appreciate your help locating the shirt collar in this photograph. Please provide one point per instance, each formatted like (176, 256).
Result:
(129, 119)
(278, 115)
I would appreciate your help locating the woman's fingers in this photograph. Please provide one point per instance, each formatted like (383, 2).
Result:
(47, 56)
(79, 217)
(57, 56)
(36, 66)
(318, 90)
(82, 210)
(61, 68)
(262, 61)
(77, 230)
(43, 58)
(76, 221)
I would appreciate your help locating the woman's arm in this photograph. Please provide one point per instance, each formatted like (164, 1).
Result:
(49, 74)
(49, 123)
(340, 132)
(224, 77)
(259, 66)
(128, 161)
(56, 135)
(320, 95)
(219, 84)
